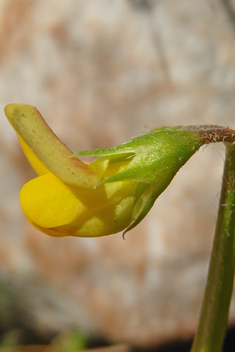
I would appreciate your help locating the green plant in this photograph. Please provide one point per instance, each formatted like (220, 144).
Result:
(117, 190)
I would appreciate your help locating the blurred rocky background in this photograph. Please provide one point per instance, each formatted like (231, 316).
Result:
(102, 72)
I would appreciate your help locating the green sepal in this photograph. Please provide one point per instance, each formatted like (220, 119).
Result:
(118, 150)
(155, 158)
(142, 207)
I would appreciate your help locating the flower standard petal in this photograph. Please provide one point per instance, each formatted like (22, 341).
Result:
(47, 147)
(35, 162)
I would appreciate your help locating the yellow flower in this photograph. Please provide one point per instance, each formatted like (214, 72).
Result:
(115, 192)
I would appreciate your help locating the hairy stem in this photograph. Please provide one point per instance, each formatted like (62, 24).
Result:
(213, 133)
(218, 292)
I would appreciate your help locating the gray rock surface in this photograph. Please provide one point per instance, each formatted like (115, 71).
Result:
(101, 72)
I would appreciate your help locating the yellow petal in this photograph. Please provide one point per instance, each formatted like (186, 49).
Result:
(112, 218)
(48, 202)
(52, 153)
(59, 210)
(36, 163)
(103, 224)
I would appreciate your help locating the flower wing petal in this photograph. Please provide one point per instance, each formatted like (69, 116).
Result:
(48, 202)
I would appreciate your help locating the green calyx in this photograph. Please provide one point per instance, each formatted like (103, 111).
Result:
(154, 159)
(154, 156)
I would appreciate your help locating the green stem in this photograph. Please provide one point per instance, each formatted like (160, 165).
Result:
(218, 292)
